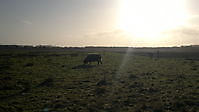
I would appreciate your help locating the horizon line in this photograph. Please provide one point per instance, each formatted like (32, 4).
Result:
(95, 46)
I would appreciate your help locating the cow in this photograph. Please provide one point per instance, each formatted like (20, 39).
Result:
(92, 58)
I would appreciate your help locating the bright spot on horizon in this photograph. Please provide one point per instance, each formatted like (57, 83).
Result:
(147, 19)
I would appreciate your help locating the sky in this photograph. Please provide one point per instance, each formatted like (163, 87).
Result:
(99, 22)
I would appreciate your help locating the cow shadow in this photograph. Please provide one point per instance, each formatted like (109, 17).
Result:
(83, 66)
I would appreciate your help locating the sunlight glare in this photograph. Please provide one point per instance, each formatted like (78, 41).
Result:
(146, 19)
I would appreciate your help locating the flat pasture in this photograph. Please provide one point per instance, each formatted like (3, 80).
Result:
(58, 81)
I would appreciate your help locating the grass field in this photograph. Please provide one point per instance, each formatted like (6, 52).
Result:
(57, 81)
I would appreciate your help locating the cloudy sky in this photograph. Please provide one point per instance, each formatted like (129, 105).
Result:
(99, 22)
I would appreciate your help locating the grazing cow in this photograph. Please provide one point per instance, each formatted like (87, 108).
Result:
(93, 58)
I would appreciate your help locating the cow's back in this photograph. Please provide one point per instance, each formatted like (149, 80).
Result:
(94, 57)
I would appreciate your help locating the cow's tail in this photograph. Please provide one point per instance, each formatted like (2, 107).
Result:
(101, 60)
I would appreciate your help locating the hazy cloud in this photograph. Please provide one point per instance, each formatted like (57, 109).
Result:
(26, 22)
(110, 38)
(188, 34)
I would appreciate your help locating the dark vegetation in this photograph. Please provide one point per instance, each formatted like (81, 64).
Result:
(54, 79)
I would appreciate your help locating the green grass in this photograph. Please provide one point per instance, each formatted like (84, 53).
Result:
(58, 82)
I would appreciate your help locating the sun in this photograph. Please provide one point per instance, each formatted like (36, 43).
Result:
(147, 19)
